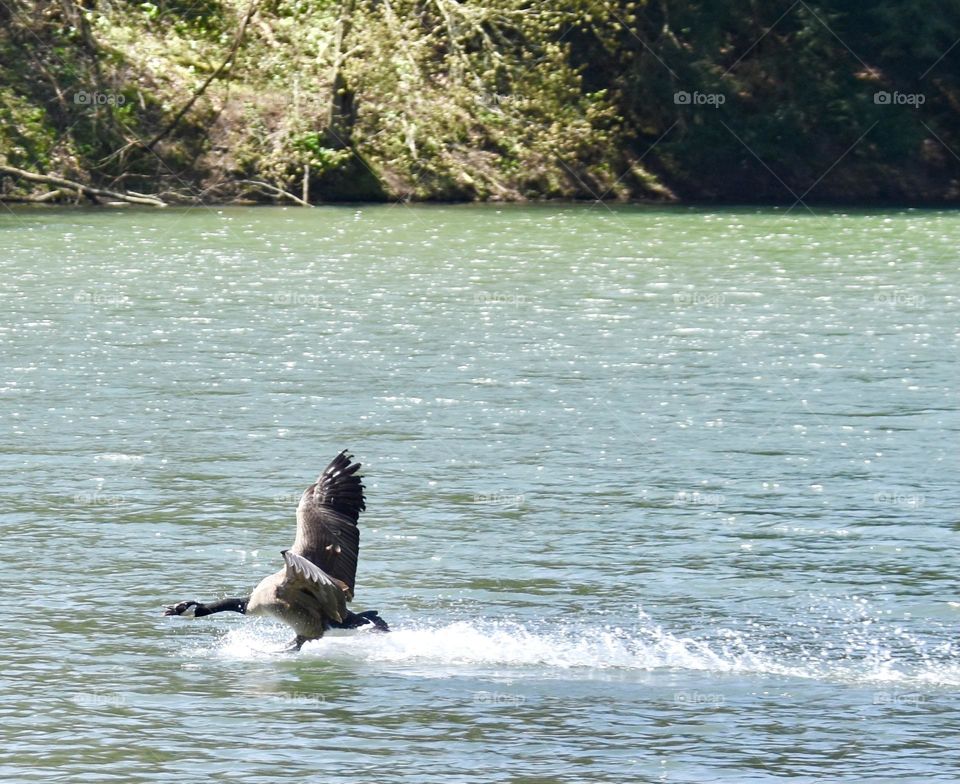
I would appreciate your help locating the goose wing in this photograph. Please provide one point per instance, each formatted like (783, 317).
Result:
(329, 591)
(327, 533)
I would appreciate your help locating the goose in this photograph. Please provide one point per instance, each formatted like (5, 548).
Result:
(311, 591)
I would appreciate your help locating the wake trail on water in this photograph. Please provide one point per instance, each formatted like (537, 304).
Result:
(469, 646)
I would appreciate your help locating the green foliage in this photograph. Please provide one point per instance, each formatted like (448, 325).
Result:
(26, 137)
(503, 99)
(202, 18)
(466, 101)
(797, 85)
(314, 153)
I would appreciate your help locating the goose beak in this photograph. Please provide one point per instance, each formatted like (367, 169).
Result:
(184, 609)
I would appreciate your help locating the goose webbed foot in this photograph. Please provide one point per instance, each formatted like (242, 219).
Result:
(372, 616)
(295, 644)
(356, 620)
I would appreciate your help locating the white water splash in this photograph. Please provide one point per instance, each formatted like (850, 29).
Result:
(468, 646)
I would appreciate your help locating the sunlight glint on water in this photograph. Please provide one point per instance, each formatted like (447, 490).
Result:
(653, 494)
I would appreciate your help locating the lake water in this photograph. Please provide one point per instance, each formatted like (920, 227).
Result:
(654, 495)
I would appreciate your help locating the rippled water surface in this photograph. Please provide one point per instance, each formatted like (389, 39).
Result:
(654, 495)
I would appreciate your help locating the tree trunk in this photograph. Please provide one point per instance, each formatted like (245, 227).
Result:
(341, 115)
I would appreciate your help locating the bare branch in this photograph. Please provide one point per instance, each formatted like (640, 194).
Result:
(276, 191)
(94, 194)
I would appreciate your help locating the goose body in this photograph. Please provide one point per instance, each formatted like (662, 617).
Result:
(302, 596)
(311, 591)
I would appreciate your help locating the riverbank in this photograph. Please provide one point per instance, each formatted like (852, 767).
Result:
(236, 102)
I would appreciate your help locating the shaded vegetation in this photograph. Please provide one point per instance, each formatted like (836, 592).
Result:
(318, 100)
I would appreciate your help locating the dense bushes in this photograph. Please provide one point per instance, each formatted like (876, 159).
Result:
(505, 99)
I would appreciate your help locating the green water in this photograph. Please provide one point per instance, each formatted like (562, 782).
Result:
(653, 494)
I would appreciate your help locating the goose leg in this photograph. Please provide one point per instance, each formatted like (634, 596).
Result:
(356, 620)
(295, 644)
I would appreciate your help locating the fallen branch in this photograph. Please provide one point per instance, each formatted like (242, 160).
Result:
(43, 198)
(276, 191)
(227, 62)
(94, 194)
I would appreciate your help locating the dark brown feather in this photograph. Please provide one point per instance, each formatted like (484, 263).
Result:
(327, 533)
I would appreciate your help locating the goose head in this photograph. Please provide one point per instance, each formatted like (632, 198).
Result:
(184, 609)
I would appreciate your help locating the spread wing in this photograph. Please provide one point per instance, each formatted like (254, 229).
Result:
(327, 533)
(329, 592)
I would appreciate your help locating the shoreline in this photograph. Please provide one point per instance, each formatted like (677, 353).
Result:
(676, 203)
